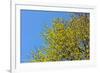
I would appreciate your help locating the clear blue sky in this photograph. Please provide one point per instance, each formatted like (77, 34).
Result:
(32, 24)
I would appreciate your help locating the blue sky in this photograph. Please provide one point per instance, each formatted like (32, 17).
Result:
(32, 24)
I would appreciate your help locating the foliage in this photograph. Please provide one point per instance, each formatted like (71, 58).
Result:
(66, 40)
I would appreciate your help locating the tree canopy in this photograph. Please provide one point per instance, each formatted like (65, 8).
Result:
(66, 40)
